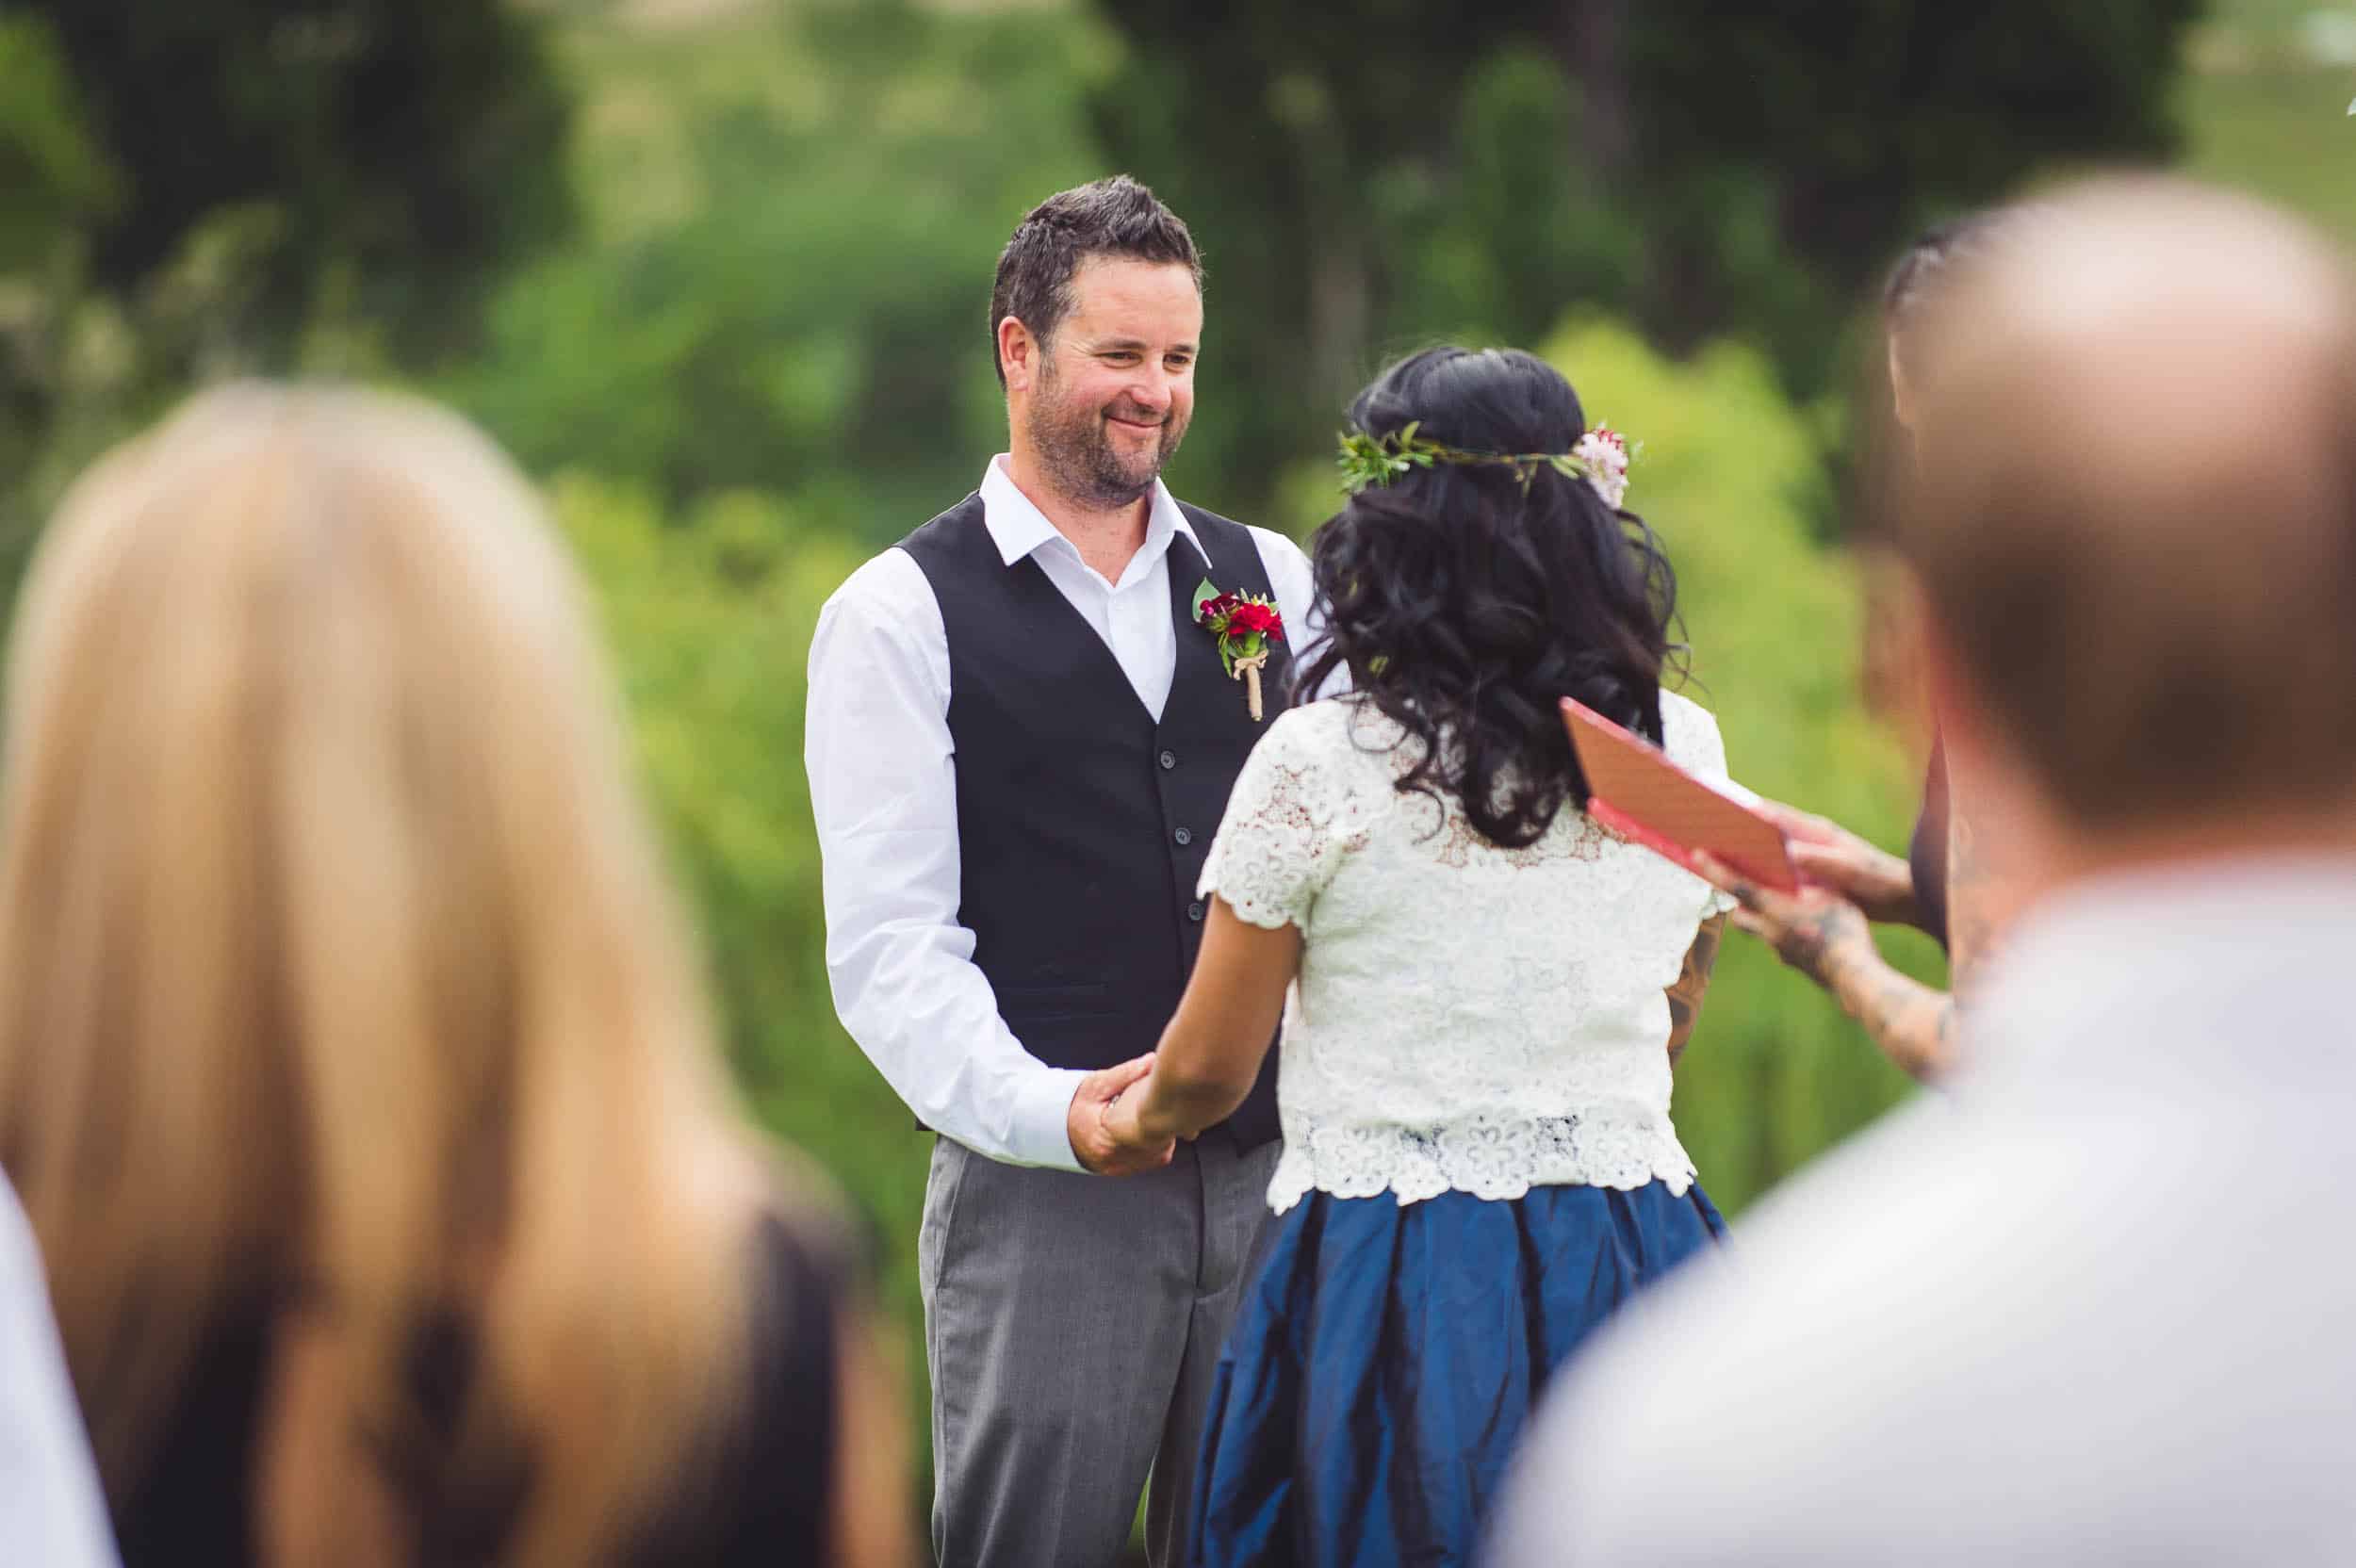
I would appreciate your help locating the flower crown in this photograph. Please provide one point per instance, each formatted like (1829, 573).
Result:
(1601, 459)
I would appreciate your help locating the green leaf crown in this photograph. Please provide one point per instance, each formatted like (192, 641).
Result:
(1380, 459)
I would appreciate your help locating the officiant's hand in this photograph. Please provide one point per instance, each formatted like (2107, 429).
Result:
(1815, 930)
(1877, 882)
(1097, 1139)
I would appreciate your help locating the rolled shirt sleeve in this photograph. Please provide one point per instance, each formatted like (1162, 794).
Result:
(883, 789)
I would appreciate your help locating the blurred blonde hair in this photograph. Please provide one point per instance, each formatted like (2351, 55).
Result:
(337, 965)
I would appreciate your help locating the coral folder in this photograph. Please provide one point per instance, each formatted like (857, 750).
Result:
(1638, 793)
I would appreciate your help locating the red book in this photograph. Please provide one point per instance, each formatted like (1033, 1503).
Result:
(1639, 793)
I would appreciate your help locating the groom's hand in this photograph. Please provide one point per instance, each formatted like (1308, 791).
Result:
(1093, 1136)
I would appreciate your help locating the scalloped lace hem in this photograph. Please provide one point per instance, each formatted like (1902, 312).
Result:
(1485, 1159)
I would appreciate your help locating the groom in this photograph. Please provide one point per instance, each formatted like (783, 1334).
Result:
(1020, 745)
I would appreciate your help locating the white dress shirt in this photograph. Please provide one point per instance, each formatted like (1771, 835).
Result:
(52, 1511)
(2094, 1306)
(883, 788)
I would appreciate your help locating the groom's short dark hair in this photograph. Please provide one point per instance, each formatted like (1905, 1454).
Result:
(1115, 216)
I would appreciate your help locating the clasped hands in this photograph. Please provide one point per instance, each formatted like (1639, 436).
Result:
(1105, 1121)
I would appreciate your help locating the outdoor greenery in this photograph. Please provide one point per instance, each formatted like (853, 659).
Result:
(717, 273)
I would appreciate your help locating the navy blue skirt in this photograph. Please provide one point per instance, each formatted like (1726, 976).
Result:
(1387, 1355)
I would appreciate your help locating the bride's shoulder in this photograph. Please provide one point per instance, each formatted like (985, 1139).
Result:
(1345, 742)
(1342, 728)
(1689, 732)
(1676, 710)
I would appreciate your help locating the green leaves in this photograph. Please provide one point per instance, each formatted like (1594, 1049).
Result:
(1378, 460)
(1204, 593)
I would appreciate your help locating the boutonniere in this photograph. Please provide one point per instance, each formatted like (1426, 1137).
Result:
(1243, 624)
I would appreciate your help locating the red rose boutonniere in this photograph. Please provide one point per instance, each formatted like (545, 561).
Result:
(1244, 625)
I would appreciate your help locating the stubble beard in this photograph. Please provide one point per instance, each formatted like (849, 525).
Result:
(1076, 450)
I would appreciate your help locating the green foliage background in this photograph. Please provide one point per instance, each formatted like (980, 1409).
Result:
(735, 318)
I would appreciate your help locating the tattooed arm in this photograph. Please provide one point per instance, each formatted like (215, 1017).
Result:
(1913, 1024)
(1685, 997)
(1825, 938)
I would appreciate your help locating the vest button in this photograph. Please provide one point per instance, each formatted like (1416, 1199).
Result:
(1169, 759)
(1194, 911)
(1184, 836)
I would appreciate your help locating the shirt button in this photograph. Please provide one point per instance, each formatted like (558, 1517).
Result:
(1194, 911)
(1184, 836)
(1168, 758)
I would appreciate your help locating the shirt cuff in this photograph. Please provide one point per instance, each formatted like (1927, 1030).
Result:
(1042, 1132)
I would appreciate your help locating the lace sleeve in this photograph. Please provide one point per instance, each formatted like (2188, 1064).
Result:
(1283, 834)
(1695, 745)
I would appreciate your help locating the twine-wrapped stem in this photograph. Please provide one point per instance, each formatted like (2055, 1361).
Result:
(1248, 671)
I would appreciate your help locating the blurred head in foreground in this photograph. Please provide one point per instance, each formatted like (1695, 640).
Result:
(1914, 279)
(1982, 1331)
(2134, 533)
(339, 986)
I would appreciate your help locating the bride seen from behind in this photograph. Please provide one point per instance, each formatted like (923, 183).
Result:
(1482, 990)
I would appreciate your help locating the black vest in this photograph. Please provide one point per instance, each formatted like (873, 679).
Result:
(1082, 824)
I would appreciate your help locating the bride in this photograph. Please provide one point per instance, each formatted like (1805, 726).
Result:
(1487, 989)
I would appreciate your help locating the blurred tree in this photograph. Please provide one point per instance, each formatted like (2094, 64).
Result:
(53, 178)
(1365, 178)
(403, 148)
(798, 221)
(218, 187)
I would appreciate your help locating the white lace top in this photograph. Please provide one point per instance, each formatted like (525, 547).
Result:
(1465, 1017)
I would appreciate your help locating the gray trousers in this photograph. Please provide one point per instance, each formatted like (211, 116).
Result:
(1072, 1323)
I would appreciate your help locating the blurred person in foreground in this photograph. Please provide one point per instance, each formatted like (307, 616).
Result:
(354, 1064)
(52, 1511)
(1021, 738)
(1823, 931)
(1488, 991)
(2092, 1306)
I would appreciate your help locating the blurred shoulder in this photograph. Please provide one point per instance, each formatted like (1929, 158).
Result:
(22, 1282)
(1748, 1363)
(1913, 1326)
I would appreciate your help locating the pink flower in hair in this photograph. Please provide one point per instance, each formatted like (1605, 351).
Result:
(1603, 453)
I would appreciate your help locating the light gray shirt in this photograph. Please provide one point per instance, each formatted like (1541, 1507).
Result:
(883, 789)
(52, 1511)
(2098, 1305)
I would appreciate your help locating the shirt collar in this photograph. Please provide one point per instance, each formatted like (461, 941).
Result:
(1018, 528)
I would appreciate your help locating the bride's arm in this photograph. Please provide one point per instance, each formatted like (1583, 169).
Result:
(1211, 1052)
(1685, 997)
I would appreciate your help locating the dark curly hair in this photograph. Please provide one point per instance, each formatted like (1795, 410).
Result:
(1465, 604)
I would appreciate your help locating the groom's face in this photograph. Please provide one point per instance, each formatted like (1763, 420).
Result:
(1116, 387)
